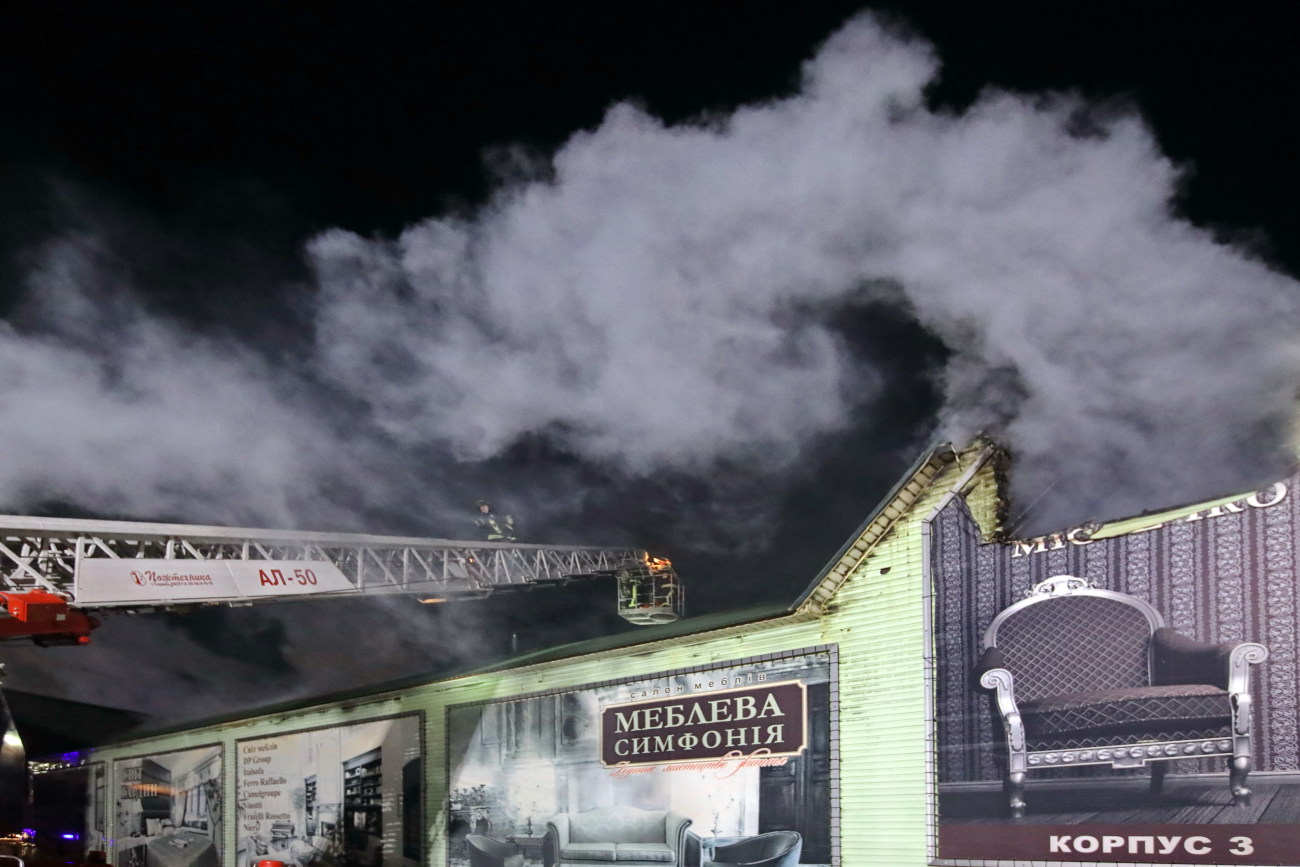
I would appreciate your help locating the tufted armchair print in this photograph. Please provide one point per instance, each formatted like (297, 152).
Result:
(1081, 676)
(773, 849)
(487, 851)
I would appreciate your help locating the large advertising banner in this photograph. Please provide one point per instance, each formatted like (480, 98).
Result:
(343, 796)
(168, 809)
(664, 768)
(1120, 699)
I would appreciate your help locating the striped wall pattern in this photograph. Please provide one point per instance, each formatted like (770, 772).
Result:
(1224, 574)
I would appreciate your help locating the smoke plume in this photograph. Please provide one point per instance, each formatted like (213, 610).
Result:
(667, 296)
(673, 299)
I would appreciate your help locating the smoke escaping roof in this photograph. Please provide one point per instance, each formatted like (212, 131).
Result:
(662, 295)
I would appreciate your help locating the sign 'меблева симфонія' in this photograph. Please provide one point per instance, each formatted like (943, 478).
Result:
(768, 719)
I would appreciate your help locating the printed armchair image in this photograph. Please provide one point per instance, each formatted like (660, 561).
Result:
(1081, 676)
(773, 849)
(487, 851)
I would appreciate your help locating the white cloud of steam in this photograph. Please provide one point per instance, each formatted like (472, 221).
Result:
(118, 411)
(664, 299)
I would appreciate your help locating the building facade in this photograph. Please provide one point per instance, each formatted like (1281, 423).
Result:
(854, 717)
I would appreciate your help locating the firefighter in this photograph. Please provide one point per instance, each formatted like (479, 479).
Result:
(495, 528)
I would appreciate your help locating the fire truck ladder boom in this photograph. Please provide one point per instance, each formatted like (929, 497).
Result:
(52, 555)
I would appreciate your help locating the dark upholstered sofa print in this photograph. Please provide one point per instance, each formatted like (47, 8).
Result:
(626, 836)
(1081, 676)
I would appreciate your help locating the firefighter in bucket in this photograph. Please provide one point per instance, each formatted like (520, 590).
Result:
(494, 527)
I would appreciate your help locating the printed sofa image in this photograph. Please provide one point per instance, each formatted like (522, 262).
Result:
(625, 836)
(1082, 676)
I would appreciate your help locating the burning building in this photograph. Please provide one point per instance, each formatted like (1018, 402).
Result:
(939, 694)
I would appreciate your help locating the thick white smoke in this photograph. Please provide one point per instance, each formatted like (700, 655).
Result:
(118, 411)
(667, 297)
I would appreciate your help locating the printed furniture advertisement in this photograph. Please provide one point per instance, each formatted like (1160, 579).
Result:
(1122, 698)
(169, 810)
(342, 796)
(730, 764)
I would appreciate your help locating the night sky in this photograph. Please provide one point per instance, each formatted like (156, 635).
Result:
(200, 151)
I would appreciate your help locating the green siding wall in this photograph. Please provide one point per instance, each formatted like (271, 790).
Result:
(878, 623)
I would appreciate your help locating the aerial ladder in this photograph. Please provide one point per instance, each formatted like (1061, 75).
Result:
(58, 575)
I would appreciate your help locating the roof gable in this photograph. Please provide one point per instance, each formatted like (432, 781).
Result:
(896, 505)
